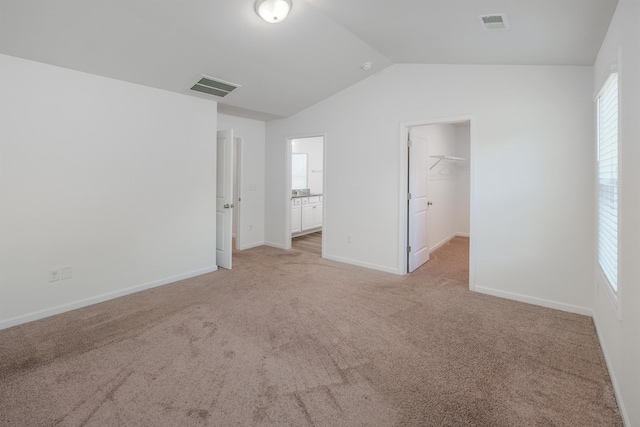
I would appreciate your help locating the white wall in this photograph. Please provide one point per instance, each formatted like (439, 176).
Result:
(314, 148)
(114, 179)
(252, 133)
(620, 337)
(532, 172)
(448, 188)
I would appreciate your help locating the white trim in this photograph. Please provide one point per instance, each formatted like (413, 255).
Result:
(238, 175)
(447, 239)
(359, 263)
(101, 298)
(307, 231)
(535, 301)
(614, 381)
(287, 196)
(612, 297)
(252, 245)
(275, 245)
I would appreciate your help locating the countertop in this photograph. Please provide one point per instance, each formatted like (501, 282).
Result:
(307, 195)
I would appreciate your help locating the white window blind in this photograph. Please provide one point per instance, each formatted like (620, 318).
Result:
(608, 180)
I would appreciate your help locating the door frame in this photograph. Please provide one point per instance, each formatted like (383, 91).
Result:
(409, 188)
(227, 212)
(287, 189)
(238, 142)
(403, 223)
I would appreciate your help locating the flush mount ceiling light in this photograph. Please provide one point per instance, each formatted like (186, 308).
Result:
(366, 66)
(273, 11)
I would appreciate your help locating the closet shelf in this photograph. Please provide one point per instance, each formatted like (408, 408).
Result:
(446, 159)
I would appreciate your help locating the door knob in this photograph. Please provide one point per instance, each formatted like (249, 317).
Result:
(232, 205)
(226, 206)
(429, 203)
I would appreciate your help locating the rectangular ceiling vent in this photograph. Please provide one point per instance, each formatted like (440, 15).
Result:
(213, 86)
(496, 21)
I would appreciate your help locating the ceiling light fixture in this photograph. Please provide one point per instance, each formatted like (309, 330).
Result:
(273, 11)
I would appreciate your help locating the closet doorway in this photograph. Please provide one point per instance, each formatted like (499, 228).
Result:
(438, 187)
(306, 201)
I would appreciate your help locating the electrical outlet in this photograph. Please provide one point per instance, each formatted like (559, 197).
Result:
(54, 274)
(66, 273)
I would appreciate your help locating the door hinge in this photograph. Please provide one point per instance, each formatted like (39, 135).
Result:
(408, 249)
(408, 196)
(409, 143)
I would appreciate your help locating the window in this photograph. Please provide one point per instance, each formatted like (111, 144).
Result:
(607, 135)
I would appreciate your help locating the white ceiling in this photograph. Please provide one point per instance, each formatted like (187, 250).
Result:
(284, 68)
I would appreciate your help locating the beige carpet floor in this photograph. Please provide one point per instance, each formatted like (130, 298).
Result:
(287, 338)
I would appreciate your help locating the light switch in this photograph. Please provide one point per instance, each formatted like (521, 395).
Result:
(67, 272)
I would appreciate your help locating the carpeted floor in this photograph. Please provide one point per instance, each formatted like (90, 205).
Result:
(287, 338)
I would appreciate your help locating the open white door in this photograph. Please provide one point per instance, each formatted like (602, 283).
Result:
(224, 198)
(418, 202)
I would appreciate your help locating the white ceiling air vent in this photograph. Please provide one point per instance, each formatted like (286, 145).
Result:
(213, 86)
(496, 21)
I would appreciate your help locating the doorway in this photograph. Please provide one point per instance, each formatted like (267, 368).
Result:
(438, 184)
(306, 193)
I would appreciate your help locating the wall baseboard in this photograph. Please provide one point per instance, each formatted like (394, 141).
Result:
(535, 301)
(614, 381)
(363, 264)
(251, 245)
(446, 240)
(274, 245)
(4, 324)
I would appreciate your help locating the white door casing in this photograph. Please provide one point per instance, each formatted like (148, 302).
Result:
(224, 198)
(418, 203)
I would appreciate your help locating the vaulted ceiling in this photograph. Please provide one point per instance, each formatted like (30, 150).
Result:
(317, 51)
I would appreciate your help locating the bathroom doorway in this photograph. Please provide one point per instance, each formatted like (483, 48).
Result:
(306, 190)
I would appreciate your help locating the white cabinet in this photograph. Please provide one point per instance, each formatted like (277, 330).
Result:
(296, 215)
(307, 215)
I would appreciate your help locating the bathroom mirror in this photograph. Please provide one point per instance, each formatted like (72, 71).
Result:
(298, 171)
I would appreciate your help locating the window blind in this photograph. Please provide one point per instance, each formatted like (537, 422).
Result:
(608, 180)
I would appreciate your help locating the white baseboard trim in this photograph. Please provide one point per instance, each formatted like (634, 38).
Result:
(251, 245)
(4, 324)
(614, 381)
(446, 240)
(535, 301)
(363, 264)
(305, 232)
(274, 245)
